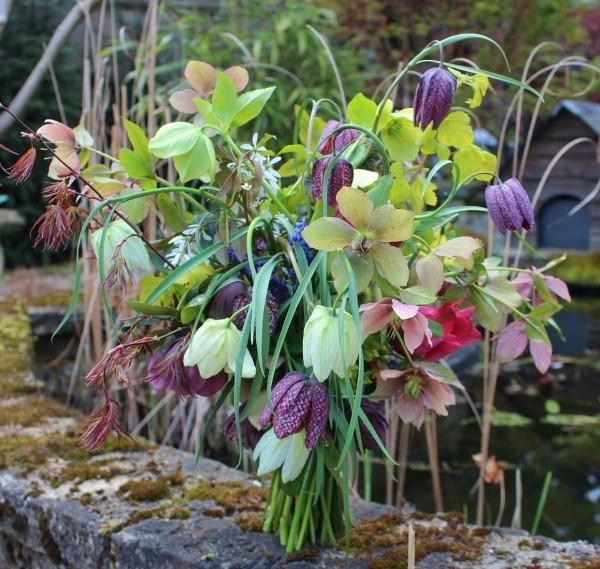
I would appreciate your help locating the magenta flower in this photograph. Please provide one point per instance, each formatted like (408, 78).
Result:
(433, 97)
(327, 144)
(512, 342)
(414, 324)
(458, 328)
(509, 206)
(341, 175)
(297, 403)
(417, 390)
(167, 371)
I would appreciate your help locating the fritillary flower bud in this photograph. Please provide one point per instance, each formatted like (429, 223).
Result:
(509, 206)
(433, 98)
(221, 305)
(327, 143)
(297, 403)
(243, 300)
(341, 175)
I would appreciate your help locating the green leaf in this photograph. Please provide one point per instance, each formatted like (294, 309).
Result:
(362, 110)
(190, 265)
(380, 194)
(199, 162)
(456, 130)
(417, 294)
(224, 100)
(138, 139)
(471, 160)
(205, 110)
(153, 309)
(174, 139)
(171, 213)
(402, 139)
(135, 165)
(250, 105)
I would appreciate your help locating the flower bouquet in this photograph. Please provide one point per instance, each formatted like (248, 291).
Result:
(302, 293)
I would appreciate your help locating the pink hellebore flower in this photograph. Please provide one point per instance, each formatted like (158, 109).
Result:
(203, 79)
(66, 162)
(512, 342)
(414, 324)
(417, 390)
(457, 325)
(525, 284)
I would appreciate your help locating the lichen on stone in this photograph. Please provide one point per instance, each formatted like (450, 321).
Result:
(234, 496)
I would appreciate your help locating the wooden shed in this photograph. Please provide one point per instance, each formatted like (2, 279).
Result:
(571, 181)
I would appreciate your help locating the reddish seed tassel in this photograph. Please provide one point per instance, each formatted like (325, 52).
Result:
(101, 423)
(21, 169)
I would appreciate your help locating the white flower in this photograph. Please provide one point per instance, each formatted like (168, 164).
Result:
(321, 345)
(214, 348)
(291, 452)
(132, 248)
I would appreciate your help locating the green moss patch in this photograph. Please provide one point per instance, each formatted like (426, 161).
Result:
(234, 496)
(29, 410)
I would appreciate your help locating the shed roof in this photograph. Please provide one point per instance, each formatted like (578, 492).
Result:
(586, 111)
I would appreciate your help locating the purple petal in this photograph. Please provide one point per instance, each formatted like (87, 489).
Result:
(558, 287)
(279, 391)
(512, 341)
(433, 98)
(523, 203)
(292, 411)
(319, 413)
(541, 354)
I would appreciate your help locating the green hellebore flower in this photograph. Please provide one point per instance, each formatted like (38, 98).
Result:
(119, 234)
(289, 452)
(321, 343)
(367, 236)
(214, 347)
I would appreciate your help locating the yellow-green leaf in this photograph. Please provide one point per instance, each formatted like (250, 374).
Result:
(456, 130)
(472, 160)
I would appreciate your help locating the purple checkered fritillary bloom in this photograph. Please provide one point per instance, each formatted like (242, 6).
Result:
(433, 98)
(509, 206)
(328, 143)
(342, 175)
(297, 402)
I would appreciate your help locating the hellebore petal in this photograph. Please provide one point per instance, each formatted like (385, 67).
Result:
(390, 263)
(433, 97)
(430, 272)
(463, 247)
(183, 100)
(512, 341)
(389, 224)
(558, 287)
(201, 76)
(329, 234)
(541, 352)
(416, 332)
(341, 175)
(355, 206)
(221, 304)
(239, 76)
(376, 316)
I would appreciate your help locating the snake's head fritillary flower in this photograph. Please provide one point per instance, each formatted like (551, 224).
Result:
(214, 348)
(250, 434)
(290, 453)
(244, 299)
(321, 344)
(221, 305)
(433, 98)
(509, 206)
(328, 143)
(297, 403)
(342, 174)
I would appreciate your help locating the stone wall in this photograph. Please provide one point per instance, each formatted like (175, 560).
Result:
(137, 506)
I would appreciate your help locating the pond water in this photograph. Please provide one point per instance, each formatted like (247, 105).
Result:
(545, 424)
(562, 436)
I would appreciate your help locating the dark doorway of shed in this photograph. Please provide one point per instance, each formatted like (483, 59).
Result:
(558, 230)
